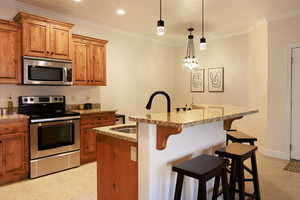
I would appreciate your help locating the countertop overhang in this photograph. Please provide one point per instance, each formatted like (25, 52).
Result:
(108, 131)
(200, 114)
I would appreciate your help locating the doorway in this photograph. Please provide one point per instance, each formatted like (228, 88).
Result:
(295, 104)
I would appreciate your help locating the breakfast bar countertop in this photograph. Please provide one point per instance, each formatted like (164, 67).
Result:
(200, 114)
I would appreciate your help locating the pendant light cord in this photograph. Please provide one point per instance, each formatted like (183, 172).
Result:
(160, 9)
(202, 18)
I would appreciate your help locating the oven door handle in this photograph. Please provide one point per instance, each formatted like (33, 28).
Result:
(55, 123)
(55, 119)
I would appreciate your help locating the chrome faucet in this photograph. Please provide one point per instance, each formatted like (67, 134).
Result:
(148, 106)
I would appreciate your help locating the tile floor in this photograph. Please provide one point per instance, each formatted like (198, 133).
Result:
(75, 184)
(80, 184)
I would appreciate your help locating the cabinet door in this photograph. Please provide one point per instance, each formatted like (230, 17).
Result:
(88, 145)
(10, 54)
(1, 158)
(36, 36)
(80, 62)
(98, 57)
(117, 173)
(61, 39)
(14, 152)
(105, 168)
(125, 170)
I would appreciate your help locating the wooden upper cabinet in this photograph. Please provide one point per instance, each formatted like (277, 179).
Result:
(43, 37)
(10, 52)
(36, 36)
(80, 61)
(61, 41)
(98, 64)
(89, 61)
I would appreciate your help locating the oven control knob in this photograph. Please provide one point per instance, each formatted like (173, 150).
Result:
(61, 99)
(55, 98)
(25, 100)
(31, 99)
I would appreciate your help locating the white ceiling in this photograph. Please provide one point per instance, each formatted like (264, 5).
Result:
(223, 16)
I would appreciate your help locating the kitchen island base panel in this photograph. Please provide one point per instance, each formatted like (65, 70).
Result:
(156, 179)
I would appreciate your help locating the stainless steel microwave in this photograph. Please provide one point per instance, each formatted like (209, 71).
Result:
(44, 71)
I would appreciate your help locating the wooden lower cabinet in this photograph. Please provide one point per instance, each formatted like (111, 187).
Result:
(14, 155)
(88, 136)
(117, 173)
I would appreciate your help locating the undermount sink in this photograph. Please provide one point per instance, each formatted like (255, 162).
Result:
(126, 129)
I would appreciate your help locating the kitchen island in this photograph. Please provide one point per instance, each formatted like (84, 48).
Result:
(165, 139)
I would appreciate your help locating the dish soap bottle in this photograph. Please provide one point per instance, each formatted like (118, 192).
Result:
(10, 105)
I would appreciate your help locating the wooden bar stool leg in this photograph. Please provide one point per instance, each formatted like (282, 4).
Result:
(202, 190)
(216, 188)
(225, 185)
(232, 180)
(241, 181)
(178, 189)
(255, 177)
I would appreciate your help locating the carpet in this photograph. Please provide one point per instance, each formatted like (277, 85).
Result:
(293, 166)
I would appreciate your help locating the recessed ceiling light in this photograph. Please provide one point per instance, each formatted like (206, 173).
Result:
(121, 12)
(77, 0)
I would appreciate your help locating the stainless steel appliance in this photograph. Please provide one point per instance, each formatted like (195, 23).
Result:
(54, 134)
(43, 71)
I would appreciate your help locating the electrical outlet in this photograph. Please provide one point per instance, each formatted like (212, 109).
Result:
(133, 153)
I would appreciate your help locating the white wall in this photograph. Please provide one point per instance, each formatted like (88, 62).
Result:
(230, 53)
(136, 66)
(257, 83)
(282, 34)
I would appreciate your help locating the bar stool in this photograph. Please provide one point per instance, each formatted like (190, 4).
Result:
(238, 153)
(203, 168)
(239, 137)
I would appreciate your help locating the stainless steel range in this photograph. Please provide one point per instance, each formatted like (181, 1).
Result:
(54, 134)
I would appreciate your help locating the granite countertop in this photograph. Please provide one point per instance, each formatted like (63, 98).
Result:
(200, 114)
(92, 111)
(13, 116)
(107, 130)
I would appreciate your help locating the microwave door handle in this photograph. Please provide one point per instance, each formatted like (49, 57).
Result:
(65, 75)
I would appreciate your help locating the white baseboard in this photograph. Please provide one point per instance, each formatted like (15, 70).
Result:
(274, 154)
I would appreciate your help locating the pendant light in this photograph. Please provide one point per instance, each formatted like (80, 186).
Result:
(203, 44)
(160, 30)
(190, 61)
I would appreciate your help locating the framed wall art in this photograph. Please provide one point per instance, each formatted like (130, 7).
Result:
(197, 80)
(216, 79)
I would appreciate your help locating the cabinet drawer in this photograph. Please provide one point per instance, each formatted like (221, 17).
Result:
(13, 127)
(99, 119)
